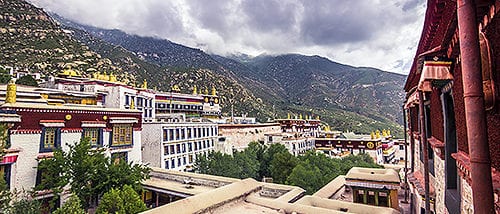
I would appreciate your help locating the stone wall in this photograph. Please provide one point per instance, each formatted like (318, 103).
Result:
(466, 191)
(240, 136)
(439, 184)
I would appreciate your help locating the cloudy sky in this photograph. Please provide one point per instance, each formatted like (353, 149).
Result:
(376, 33)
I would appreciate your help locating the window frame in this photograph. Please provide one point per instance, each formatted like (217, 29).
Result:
(56, 139)
(99, 137)
(116, 135)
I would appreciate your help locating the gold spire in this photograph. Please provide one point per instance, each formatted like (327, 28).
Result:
(377, 134)
(317, 117)
(289, 116)
(372, 135)
(388, 132)
(176, 88)
(206, 91)
(384, 133)
(300, 116)
(10, 96)
(145, 84)
(214, 92)
(112, 77)
(195, 90)
(132, 106)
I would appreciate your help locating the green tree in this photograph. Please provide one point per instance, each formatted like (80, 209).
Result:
(125, 200)
(25, 206)
(89, 172)
(247, 164)
(268, 156)
(281, 166)
(307, 177)
(73, 206)
(27, 80)
(4, 75)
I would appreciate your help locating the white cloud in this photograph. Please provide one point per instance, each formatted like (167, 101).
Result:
(380, 34)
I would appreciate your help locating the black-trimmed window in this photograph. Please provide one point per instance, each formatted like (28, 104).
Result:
(51, 139)
(94, 135)
(122, 135)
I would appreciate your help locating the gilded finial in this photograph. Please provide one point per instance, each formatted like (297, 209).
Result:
(195, 90)
(206, 91)
(288, 116)
(372, 135)
(317, 117)
(377, 134)
(300, 116)
(145, 84)
(11, 92)
(214, 92)
(112, 77)
(132, 106)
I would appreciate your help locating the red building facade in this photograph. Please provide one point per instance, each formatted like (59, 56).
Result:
(453, 111)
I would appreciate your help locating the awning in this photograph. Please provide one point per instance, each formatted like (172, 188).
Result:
(412, 100)
(434, 70)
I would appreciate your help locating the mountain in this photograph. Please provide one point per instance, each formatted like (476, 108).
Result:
(31, 39)
(346, 97)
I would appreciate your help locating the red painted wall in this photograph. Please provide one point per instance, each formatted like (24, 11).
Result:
(437, 116)
(30, 118)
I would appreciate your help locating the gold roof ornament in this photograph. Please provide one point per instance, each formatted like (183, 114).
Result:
(112, 77)
(377, 134)
(214, 92)
(145, 84)
(176, 88)
(372, 135)
(195, 90)
(300, 116)
(288, 116)
(388, 132)
(317, 117)
(384, 133)
(206, 91)
(132, 105)
(10, 96)
(94, 75)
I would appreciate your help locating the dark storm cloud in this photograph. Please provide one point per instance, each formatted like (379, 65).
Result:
(376, 30)
(271, 15)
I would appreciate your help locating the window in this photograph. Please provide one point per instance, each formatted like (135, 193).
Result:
(383, 199)
(190, 158)
(183, 147)
(51, 138)
(195, 146)
(178, 162)
(165, 134)
(5, 172)
(119, 156)
(172, 149)
(189, 133)
(452, 192)
(166, 165)
(190, 147)
(401, 147)
(178, 146)
(94, 135)
(122, 135)
(170, 134)
(184, 160)
(172, 163)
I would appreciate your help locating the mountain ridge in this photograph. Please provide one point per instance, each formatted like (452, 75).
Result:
(348, 98)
